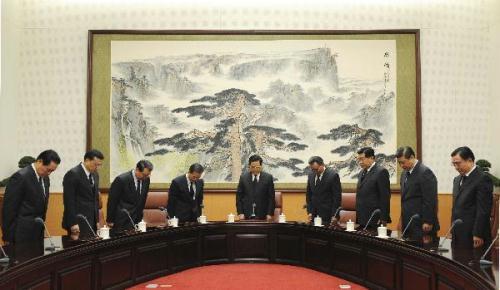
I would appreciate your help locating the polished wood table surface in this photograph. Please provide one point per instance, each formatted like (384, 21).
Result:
(132, 258)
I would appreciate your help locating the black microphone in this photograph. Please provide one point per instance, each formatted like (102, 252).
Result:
(52, 246)
(129, 217)
(5, 259)
(164, 209)
(376, 211)
(334, 218)
(202, 206)
(337, 211)
(88, 224)
(453, 224)
(483, 260)
(415, 216)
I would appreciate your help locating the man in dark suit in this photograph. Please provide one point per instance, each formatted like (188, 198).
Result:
(472, 201)
(185, 196)
(255, 193)
(26, 198)
(81, 195)
(373, 190)
(324, 192)
(418, 195)
(128, 192)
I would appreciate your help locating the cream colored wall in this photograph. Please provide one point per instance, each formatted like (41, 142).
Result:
(45, 63)
(8, 95)
(494, 84)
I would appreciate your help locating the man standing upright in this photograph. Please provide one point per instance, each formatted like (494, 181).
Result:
(255, 193)
(418, 195)
(324, 192)
(472, 201)
(128, 194)
(185, 195)
(81, 195)
(26, 198)
(373, 190)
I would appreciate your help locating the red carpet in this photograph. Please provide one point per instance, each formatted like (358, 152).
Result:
(248, 276)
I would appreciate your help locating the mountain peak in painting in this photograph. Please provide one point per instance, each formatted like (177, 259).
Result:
(216, 105)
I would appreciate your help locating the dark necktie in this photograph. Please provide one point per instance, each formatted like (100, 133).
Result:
(191, 190)
(91, 181)
(316, 180)
(407, 175)
(138, 187)
(363, 174)
(194, 204)
(462, 180)
(254, 185)
(40, 181)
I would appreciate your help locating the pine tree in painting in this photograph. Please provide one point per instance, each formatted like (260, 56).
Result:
(234, 137)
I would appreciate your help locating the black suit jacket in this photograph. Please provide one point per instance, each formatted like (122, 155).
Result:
(262, 195)
(472, 203)
(373, 192)
(180, 200)
(123, 195)
(24, 200)
(419, 196)
(80, 197)
(325, 197)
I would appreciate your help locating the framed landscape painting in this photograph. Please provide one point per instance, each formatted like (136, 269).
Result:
(217, 97)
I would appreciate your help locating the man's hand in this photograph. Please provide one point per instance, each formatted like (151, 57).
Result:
(241, 217)
(309, 217)
(269, 218)
(478, 242)
(110, 225)
(75, 228)
(426, 227)
(334, 221)
(74, 236)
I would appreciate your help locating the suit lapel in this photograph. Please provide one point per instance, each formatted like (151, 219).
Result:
(403, 184)
(466, 182)
(407, 179)
(461, 186)
(197, 191)
(257, 184)
(368, 173)
(84, 177)
(456, 187)
(132, 185)
(39, 189)
(320, 181)
(360, 183)
(253, 187)
(46, 183)
(186, 187)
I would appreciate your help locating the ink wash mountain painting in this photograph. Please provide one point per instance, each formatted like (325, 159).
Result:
(218, 102)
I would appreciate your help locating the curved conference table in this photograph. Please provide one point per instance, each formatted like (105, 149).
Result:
(134, 258)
